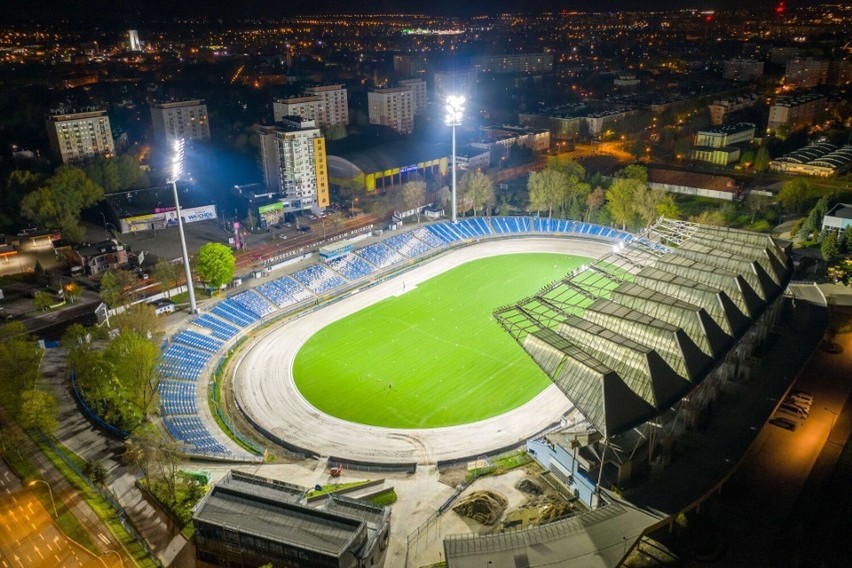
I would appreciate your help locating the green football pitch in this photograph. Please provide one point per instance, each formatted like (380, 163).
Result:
(433, 356)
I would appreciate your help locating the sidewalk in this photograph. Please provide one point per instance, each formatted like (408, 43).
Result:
(78, 435)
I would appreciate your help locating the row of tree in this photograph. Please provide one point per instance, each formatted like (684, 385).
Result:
(23, 394)
(56, 200)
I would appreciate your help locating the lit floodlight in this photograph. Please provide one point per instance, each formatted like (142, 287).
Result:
(455, 110)
(177, 159)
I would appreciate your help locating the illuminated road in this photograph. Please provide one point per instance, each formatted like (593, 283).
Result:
(28, 537)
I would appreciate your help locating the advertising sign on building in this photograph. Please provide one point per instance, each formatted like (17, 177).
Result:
(166, 217)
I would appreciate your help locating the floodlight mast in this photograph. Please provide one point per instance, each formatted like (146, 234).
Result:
(455, 110)
(177, 169)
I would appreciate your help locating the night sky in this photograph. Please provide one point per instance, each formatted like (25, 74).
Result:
(135, 11)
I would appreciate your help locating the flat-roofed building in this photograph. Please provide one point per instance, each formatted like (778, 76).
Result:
(794, 112)
(725, 188)
(514, 63)
(456, 82)
(185, 120)
(77, 136)
(326, 104)
(392, 107)
(838, 218)
(472, 158)
(246, 520)
(720, 109)
(726, 135)
(740, 69)
(418, 92)
(806, 73)
(293, 157)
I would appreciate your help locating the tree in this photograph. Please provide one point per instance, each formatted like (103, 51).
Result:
(667, 206)
(39, 410)
(215, 264)
(621, 200)
(412, 195)
(594, 201)
(104, 172)
(130, 174)
(60, 200)
(795, 194)
(166, 274)
(20, 358)
(761, 160)
(844, 240)
(136, 360)
(747, 159)
(140, 318)
(829, 247)
(96, 471)
(757, 203)
(115, 287)
(19, 184)
(546, 189)
(42, 300)
(477, 189)
(716, 218)
(633, 171)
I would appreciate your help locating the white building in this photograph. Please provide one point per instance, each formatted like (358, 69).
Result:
(180, 120)
(327, 105)
(473, 158)
(293, 157)
(821, 159)
(597, 122)
(727, 135)
(80, 135)
(418, 91)
(794, 112)
(133, 42)
(392, 107)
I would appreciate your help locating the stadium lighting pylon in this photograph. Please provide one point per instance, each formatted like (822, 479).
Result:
(174, 176)
(455, 110)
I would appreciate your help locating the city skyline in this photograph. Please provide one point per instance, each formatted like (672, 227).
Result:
(127, 13)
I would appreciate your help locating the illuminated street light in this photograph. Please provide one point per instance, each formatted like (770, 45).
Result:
(455, 110)
(50, 490)
(177, 169)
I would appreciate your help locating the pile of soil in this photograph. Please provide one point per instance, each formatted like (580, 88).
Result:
(485, 507)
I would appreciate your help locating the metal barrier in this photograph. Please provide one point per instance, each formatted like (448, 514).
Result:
(90, 414)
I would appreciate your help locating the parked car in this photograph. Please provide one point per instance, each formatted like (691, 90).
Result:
(806, 406)
(785, 423)
(792, 409)
(282, 236)
(802, 395)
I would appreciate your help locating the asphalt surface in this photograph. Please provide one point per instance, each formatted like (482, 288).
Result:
(28, 536)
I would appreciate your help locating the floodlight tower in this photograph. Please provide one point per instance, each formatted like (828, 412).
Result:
(177, 169)
(455, 110)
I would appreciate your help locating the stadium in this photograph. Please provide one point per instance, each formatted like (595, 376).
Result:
(452, 341)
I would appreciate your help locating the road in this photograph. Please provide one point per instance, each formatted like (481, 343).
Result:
(28, 537)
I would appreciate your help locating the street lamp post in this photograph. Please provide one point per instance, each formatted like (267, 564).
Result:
(177, 167)
(455, 110)
(120, 559)
(50, 490)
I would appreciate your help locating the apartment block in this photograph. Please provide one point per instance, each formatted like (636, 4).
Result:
(294, 162)
(794, 112)
(418, 91)
(392, 107)
(80, 136)
(326, 104)
(180, 120)
(740, 69)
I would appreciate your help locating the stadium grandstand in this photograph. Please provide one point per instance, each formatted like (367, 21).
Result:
(193, 352)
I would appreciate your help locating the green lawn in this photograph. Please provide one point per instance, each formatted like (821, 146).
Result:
(433, 356)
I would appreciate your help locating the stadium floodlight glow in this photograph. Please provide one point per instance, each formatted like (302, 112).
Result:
(615, 249)
(176, 170)
(455, 110)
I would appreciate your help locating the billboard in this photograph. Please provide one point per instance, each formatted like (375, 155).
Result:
(163, 218)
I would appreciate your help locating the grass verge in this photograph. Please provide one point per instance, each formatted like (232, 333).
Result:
(385, 498)
(105, 512)
(335, 487)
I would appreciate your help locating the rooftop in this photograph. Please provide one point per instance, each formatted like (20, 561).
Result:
(842, 210)
(729, 128)
(692, 179)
